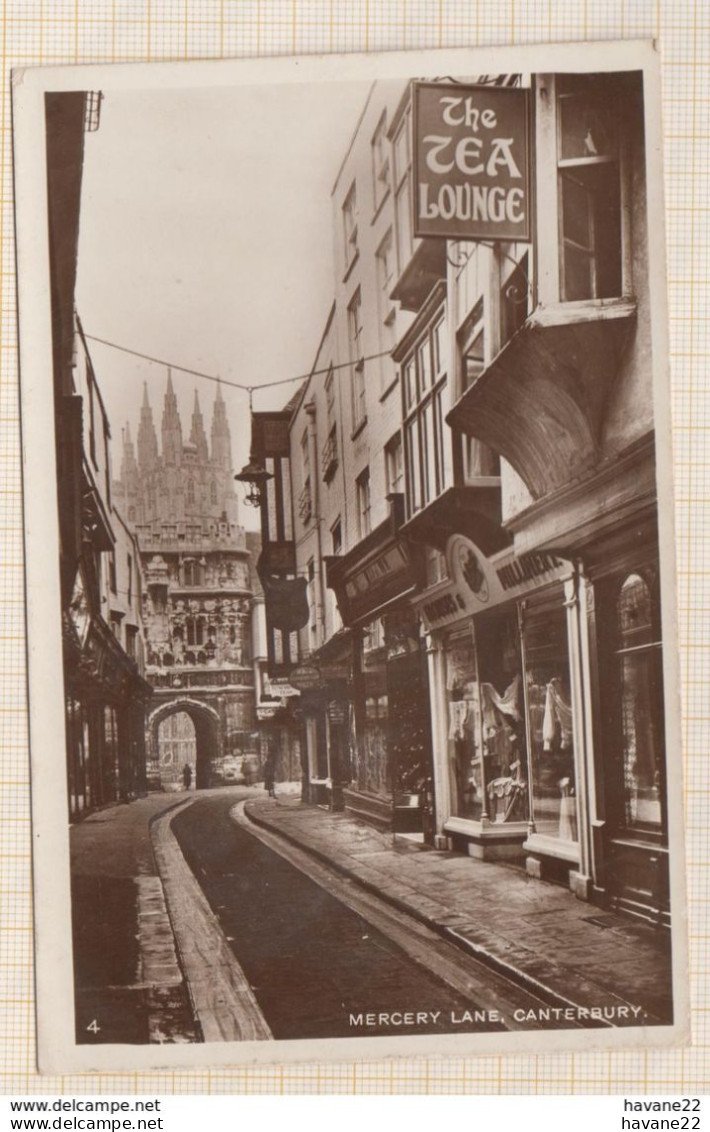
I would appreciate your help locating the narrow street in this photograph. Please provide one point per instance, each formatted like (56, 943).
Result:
(318, 951)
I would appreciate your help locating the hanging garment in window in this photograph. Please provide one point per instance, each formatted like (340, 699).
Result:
(458, 712)
(507, 704)
(558, 714)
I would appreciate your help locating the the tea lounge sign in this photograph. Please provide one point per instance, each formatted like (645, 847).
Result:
(471, 162)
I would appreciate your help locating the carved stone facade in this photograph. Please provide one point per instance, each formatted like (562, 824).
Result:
(198, 598)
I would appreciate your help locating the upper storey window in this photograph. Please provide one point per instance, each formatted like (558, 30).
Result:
(424, 382)
(350, 227)
(589, 188)
(402, 182)
(380, 163)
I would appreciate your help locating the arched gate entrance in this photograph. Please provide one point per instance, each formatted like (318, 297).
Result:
(170, 753)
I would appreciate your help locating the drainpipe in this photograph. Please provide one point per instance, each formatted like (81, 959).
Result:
(315, 503)
(310, 409)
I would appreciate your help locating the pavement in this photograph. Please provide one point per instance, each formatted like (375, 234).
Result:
(129, 985)
(130, 979)
(534, 932)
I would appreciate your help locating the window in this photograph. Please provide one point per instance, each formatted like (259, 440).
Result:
(213, 492)
(436, 567)
(465, 757)
(195, 630)
(129, 573)
(112, 571)
(350, 227)
(380, 163)
(305, 456)
(424, 383)
(362, 485)
(92, 417)
(330, 399)
(311, 596)
(550, 716)
(640, 698)
(386, 311)
(336, 546)
(192, 572)
(402, 200)
(394, 465)
(191, 492)
(329, 454)
(305, 504)
(131, 635)
(589, 197)
(359, 413)
(478, 459)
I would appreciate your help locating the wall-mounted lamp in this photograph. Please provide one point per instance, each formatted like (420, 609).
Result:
(255, 477)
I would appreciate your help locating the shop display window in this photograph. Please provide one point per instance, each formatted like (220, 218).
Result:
(640, 679)
(550, 719)
(502, 716)
(372, 764)
(464, 726)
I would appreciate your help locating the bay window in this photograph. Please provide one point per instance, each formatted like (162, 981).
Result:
(424, 381)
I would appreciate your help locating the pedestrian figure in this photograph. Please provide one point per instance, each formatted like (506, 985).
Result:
(187, 775)
(270, 774)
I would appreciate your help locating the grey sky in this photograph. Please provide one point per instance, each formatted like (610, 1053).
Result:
(206, 239)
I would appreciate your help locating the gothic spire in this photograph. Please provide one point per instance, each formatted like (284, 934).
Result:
(147, 439)
(197, 432)
(171, 429)
(221, 437)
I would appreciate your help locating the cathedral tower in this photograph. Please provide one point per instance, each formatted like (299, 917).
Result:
(198, 597)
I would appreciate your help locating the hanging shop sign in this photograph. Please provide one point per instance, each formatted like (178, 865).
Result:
(279, 686)
(305, 678)
(471, 162)
(286, 602)
(268, 711)
(476, 583)
(338, 711)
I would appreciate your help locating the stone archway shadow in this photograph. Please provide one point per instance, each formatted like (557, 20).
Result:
(208, 733)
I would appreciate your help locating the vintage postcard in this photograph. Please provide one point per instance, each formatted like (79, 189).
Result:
(350, 559)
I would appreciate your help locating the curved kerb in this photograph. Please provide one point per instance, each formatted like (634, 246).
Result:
(222, 998)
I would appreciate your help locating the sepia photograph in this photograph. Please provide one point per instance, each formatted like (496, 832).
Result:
(353, 675)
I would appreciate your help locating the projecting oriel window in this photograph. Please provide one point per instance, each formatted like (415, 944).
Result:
(424, 377)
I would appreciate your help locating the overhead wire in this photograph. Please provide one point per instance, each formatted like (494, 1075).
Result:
(250, 389)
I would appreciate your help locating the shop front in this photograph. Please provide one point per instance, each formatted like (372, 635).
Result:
(389, 728)
(507, 748)
(105, 708)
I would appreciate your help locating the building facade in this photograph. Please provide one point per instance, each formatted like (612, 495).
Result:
(106, 695)
(466, 488)
(178, 496)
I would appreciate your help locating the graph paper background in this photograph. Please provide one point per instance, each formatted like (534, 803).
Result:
(76, 31)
